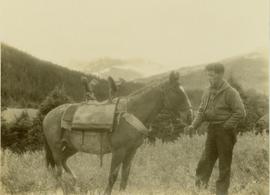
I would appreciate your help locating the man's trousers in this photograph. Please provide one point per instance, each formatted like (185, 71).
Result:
(219, 145)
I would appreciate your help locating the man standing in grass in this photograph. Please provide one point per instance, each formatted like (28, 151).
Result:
(222, 107)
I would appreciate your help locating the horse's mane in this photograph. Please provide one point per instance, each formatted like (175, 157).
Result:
(151, 85)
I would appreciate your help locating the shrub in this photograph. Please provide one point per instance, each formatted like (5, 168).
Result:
(15, 136)
(56, 97)
(256, 105)
(25, 134)
(166, 127)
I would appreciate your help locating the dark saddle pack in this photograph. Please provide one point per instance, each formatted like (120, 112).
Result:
(93, 116)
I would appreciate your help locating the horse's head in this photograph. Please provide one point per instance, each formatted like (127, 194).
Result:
(176, 99)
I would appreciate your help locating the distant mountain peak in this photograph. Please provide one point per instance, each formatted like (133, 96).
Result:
(128, 69)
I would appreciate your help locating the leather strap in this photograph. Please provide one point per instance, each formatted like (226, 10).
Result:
(135, 122)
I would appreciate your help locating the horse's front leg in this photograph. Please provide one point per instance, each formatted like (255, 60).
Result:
(117, 158)
(126, 168)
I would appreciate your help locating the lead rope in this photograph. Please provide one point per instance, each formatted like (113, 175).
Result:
(101, 149)
(122, 111)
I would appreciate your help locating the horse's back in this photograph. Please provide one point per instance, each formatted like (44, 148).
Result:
(52, 123)
(54, 113)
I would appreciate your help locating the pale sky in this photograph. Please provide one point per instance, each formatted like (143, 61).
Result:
(171, 32)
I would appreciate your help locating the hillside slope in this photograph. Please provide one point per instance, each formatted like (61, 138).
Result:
(251, 70)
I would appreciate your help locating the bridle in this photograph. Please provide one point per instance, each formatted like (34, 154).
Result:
(166, 101)
(169, 106)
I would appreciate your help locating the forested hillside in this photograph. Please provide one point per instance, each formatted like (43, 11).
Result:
(26, 80)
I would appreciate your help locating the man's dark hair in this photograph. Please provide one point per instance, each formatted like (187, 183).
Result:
(215, 67)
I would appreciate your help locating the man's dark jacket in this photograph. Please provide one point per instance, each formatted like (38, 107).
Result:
(225, 107)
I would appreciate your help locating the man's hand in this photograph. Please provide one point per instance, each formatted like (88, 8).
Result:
(189, 130)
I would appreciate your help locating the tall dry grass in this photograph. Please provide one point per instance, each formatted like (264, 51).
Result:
(156, 169)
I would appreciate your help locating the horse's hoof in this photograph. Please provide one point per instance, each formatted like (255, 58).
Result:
(77, 189)
(60, 191)
(107, 193)
(74, 179)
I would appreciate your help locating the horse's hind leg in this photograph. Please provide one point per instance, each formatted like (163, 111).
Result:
(58, 158)
(117, 158)
(126, 168)
(66, 154)
(58, 173)
(59, 170)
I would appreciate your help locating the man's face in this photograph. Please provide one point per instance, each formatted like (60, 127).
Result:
(214, 78)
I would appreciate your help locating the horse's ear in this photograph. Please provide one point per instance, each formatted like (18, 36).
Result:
(112, 84)
(174, 78)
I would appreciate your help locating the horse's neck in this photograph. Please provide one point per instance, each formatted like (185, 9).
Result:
(146, 106)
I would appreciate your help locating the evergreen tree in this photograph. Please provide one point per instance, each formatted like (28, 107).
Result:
(167, 127)
(14, 136)
(252, 102)
(26, 134)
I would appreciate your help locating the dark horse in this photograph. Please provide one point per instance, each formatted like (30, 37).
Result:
(144, 104)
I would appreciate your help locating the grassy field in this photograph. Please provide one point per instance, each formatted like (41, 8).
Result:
(156, 169)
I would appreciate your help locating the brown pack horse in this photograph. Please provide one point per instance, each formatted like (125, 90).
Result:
(144, 104)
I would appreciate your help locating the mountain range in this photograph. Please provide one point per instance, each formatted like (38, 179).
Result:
(127, 69)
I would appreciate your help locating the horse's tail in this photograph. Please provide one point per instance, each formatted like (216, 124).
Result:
(50, 162)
